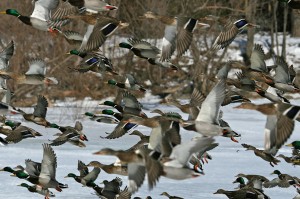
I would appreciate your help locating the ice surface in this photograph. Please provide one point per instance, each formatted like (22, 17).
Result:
(228, 160)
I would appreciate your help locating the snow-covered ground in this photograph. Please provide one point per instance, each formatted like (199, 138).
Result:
(229, 158)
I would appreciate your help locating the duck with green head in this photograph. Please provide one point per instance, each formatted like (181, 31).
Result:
(33, 189)
(295, 145)
(40, 17)
(76, 52)
(112, 104)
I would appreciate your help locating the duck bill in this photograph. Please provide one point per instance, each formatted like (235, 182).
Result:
(83, 138)
(2, 12)
(251, 25)
(98, 153)
(109, 7)
(233, 139)
(290, 145)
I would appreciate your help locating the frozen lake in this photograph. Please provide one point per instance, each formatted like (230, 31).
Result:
(228, 160)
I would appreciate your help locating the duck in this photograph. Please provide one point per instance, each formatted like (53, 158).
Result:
(47, 177)
(18, 134)
(176, 166)
(129, 83)
(178, 33)
(228, 35)
(294, 144)
(131, 108)
(265, 155)
(252, 186)
(280, 122)
(79, 6)
(35, 189)
(95, 62)
(34, 76)
(291, 3)
(109, 191)
(139, 162)
(102, 118)
(40, 17)
(238, 194)
(169, 196)
(39, 114)
(30, 173)
(111, 188)
(86, 178)
(97, 33)
(74, 135)
(72, 37)
(145, 50)
(283, 180)
(206, 122)
(119, 169)
(292, 160)
(256, 180)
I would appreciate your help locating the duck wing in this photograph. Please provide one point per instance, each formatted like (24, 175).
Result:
(257, 59)
(78, 126)
(36, 67)
(185, 27)
(6, 54)
(168, 42)
(210, 108)
(49, 163)
(40, 110)
(93, 175)
(282, 74)
(33, 168)
(42, 9)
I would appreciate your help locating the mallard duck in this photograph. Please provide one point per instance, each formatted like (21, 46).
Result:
(77, 6)
(95, 62)
(107, 192)
(48, 169)
(292, 3)
(102, 118)
(35, 189)
(175, 166)
(280, 122)
(292, 160)
(96, 34)
(169, 196)
(178, 33)
(129, 83)
(40, 16)
(30, 173)
(228, 35)
(74, 135)
(111, 188)
(35, 74)
(86, 178)
(265, 155)
(239, 194)
(206, 122)
(147, 51)
(283, 180)
(18, 134)
(39, 114)
(294, 144)
(110, 168)
(139, 162)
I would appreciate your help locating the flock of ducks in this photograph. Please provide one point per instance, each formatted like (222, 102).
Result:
(162, 154)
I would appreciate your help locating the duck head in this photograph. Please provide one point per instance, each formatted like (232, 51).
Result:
(295, 144)
(239, 180)
(83, 137)
(70, 175)
(11, 12)
(277, 172)
(7, 169)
